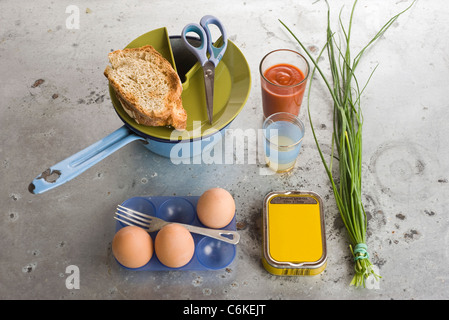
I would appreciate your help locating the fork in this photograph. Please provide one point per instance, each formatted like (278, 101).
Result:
(150, 224)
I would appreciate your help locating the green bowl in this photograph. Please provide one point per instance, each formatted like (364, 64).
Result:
(231, 88)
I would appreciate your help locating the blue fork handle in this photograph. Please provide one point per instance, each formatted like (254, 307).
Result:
(215, 53)
(201, 51)
(78, 163)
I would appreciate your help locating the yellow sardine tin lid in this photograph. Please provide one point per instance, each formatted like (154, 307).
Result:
(294, 241)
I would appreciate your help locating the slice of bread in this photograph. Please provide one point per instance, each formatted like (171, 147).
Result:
(147, 86)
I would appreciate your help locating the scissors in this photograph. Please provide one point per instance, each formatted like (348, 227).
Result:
(215, 54)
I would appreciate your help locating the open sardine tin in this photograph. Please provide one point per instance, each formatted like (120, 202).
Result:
(294, 241)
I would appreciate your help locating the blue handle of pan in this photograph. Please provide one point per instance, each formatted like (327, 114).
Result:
(78, 163)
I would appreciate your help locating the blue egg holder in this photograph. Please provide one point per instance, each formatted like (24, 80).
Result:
(210, 254)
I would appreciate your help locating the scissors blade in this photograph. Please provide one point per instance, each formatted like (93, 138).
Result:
(209, 75)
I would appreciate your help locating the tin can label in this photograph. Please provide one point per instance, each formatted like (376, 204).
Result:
(294, 236)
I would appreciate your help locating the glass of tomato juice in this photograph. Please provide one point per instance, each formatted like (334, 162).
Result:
(283, 74)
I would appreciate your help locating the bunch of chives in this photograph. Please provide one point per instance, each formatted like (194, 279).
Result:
(347, 136)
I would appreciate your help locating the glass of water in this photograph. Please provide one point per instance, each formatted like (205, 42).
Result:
(283, 133)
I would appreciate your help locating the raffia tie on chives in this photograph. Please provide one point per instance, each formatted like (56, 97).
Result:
(360, 252)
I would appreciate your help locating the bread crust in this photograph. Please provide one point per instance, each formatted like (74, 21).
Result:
(170, 111)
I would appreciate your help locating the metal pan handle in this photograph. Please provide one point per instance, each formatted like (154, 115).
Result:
(78, 163)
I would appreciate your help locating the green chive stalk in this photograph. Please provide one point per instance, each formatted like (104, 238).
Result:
(347, 135)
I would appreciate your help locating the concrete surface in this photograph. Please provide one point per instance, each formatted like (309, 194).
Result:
(405, 167)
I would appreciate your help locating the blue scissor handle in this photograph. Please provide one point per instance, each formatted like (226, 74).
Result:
(215, 53)
(202, 30)
(201, 51)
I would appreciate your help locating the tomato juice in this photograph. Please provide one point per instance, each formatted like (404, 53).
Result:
(283, 89)
(283, 76)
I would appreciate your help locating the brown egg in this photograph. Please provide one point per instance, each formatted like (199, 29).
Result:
(174, 245)
(216, 208)
(132, 247)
